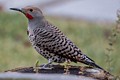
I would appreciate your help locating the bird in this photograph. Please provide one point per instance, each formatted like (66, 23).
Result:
(49, 41)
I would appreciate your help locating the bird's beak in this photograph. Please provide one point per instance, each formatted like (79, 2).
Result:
(16, 9)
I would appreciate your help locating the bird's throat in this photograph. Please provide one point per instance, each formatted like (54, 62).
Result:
(29, 16)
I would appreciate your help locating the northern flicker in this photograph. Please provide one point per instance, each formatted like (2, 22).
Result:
(49, 41)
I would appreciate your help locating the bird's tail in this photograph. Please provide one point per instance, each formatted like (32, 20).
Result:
(95, 65)
(90, 62)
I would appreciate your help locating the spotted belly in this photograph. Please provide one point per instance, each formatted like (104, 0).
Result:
(47, 55)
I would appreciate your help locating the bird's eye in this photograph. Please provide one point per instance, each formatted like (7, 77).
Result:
(31, 10)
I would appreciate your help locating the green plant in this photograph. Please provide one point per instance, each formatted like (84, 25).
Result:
(112, 40)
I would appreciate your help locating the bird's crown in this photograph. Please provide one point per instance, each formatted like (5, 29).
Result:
(30, 12)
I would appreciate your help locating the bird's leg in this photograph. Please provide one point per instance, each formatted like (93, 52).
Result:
(68, 62)
(49, 62)
(47, 66)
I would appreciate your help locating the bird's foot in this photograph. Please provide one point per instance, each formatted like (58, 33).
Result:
(46, 66)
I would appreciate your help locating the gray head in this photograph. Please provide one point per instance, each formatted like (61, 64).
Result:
(30, 12)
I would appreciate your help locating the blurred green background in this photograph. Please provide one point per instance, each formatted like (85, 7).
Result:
(91, 38)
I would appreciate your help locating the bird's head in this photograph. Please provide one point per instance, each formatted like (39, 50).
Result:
(30, 12)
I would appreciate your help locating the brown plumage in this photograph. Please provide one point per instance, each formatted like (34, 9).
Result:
(49, 41)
